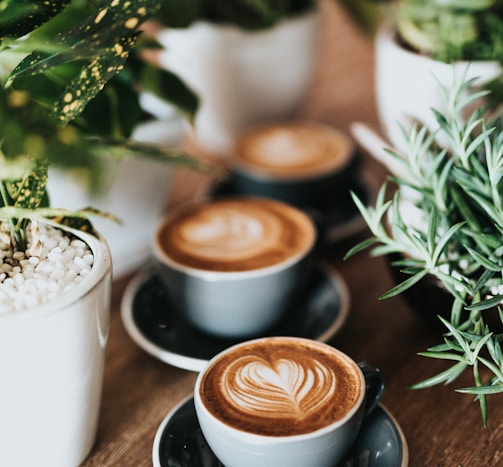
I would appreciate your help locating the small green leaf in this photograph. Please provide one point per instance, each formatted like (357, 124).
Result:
(446, 377)
(478, 390)
(406, 284)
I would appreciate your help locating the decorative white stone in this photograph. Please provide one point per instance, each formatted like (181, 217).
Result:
(62, 261)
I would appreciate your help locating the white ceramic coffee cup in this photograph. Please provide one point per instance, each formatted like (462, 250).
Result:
(216, 297)
(323, 447)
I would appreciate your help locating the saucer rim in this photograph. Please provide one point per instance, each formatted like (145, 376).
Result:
(196, 364)
(164, 422)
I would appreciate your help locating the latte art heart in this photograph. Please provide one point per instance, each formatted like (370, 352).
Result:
(281, 386)
(284, 389)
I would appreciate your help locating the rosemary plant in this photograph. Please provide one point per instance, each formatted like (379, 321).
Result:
(69, 83)
(452, 178)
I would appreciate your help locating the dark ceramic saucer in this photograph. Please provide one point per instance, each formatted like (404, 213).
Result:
(150, 320)
(179, 441)
(336, 219)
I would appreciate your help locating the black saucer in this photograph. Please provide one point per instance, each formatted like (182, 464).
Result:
(179, 441)
(150, 320)
(336, 219)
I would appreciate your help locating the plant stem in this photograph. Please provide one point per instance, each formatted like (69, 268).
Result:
(12, 224)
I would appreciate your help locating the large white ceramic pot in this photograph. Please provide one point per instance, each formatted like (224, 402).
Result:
(51, 361)
(137, 193)
(241, 77)
(407, 87)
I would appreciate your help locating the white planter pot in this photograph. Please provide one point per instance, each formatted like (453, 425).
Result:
(137, 194)
(242, 78)
(51, 361)
(407, 88)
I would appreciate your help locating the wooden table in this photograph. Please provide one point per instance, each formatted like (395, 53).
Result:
(442, 428)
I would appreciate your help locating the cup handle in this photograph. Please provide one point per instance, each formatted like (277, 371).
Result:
(375, 384)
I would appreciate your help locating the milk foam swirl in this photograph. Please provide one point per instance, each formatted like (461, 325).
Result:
(229, 233)
(236, 234)
(281, 386)
(302, 148)
(282, 389)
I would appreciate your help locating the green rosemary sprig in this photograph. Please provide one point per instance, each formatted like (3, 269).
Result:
(451, 180)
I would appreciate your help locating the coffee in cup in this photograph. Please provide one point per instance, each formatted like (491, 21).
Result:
(300, 162)
(283, 402)
(232, 266)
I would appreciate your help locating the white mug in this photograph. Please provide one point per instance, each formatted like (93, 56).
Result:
(239, 264)
(284, 402)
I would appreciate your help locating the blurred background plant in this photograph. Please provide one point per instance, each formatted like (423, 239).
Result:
(448, 30)
(257, 14)
(451, 30)
(254, 14)
(69, 94)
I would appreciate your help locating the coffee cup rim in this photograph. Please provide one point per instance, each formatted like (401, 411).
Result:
(166, 260)
(263, 439)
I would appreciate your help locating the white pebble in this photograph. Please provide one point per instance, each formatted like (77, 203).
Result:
(85, 272)
(71, 274)
(89, 259)
(18, 278)
(18, 255)
(79, 262)
(26, 281)
(69, 254)
(57, 274)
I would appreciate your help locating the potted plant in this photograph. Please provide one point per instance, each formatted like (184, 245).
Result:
(136, 189)
(55, 271)
(248, 62)
(445, 221)
(420, 42)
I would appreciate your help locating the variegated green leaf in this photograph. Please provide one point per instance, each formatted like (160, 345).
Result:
(30, 191)
(91, 80)
(19, 17)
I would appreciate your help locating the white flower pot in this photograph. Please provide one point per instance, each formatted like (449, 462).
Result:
(51, 361)
(407, 88)
(137, 194)
(242, 77)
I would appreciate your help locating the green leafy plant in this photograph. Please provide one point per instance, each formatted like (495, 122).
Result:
(246, 14)
(69, 81)
(450, 30)
(256, 14)
(452, 180)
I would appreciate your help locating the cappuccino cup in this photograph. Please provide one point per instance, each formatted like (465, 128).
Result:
(232, 266)
(284, 402)
(299, 163)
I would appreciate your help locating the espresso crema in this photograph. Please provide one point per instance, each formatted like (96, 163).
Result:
(295, 150)
(281, 388)
(236, 234)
